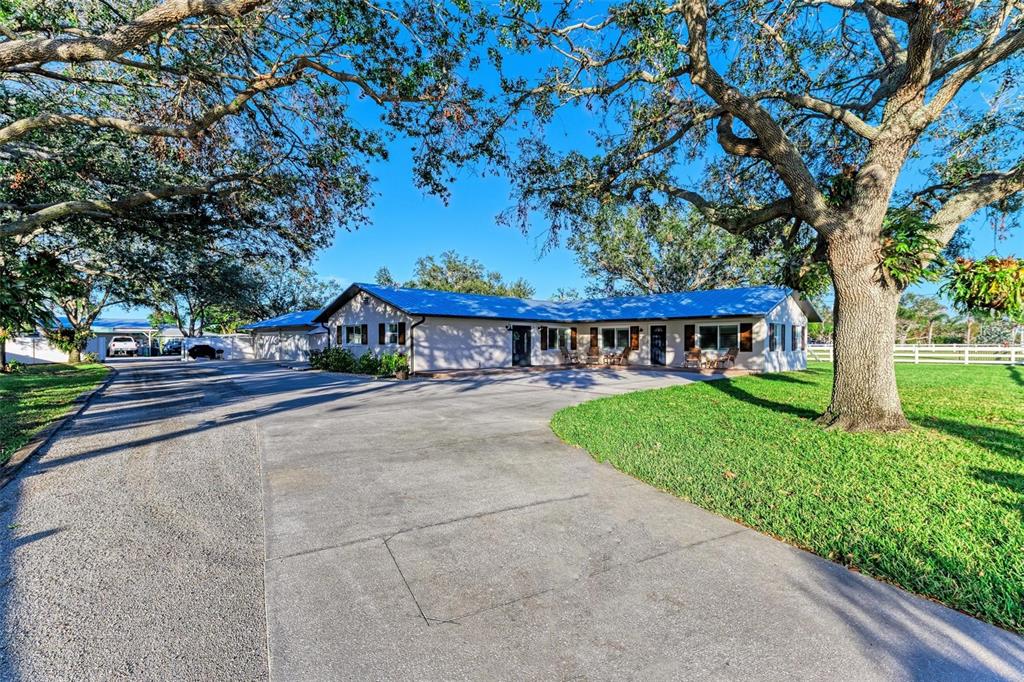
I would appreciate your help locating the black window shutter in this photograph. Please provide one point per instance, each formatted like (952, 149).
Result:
(401, 333)
(572, 339)
(366, 334)
(782, 339)
(690, 336)
(634, 338)
(746, 337)
(543, 338)
(796, 342)
(381, 334)
(338, 331)
(593, 337)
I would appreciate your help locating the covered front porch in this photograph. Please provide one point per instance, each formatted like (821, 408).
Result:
(590, 369)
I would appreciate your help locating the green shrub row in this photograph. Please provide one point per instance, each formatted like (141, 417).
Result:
(338, 359)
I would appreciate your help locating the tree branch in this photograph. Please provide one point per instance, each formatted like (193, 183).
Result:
(974, 195)
(776, 146)
(99, 208)
(138, 31)
(210, 117)
(855, 123)
(737, 220)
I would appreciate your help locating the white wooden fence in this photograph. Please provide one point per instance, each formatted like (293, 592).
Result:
(950, 354)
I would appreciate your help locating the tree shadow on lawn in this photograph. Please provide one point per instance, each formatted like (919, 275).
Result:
(1017, 374)
(1011, 481)
(730, 389)
(1003, 442)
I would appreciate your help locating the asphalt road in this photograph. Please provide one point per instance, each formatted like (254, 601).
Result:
(426, 530)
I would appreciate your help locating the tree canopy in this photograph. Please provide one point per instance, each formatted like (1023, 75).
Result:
(645, 251)
(452, 272)
(282, 102)
(861, 135)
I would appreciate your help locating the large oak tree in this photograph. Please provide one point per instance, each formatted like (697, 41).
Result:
(863, 132)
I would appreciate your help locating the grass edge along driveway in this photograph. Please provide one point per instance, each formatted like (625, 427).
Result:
(36, 396)
(938, 510)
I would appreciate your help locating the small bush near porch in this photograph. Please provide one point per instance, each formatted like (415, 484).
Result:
(938, 510)
(36, 395)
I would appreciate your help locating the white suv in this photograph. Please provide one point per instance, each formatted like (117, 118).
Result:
(123, 345)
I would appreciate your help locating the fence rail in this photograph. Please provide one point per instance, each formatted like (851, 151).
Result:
(949, 354)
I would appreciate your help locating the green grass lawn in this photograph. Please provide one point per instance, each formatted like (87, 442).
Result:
(938, 510)
(31, 399)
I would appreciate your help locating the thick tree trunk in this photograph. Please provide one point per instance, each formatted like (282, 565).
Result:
(864, 395)
(3, 355)
(75, 356)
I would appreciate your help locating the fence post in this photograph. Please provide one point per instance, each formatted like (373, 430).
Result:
(917, 355)
(967, 355)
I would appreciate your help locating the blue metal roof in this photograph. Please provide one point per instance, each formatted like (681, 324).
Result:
(745, 301)
(301, 318)
(102, 324)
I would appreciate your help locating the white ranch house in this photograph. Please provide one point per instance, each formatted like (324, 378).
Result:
(441, 330)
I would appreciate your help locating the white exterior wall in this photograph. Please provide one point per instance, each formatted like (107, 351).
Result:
(371, 311)
(787, 313)
(286, 345)
(459, 343)
(443, 343)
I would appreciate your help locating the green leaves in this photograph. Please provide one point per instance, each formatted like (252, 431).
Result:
(991, 285)
(909, 251)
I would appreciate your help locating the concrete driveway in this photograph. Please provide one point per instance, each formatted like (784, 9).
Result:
(424, 530)
(439, 530)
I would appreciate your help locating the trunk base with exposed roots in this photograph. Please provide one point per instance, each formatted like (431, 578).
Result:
(884, 422)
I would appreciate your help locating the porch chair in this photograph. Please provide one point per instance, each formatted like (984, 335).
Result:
(693, 360)
(622, 358)
(593, 356)
(728, 359)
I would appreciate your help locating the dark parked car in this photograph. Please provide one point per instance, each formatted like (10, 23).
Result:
(204, 351)
(172, 347)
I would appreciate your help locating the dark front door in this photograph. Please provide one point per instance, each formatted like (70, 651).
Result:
(520, 346)
(658, 345)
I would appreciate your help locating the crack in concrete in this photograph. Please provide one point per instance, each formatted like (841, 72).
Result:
(404, 580)
(388, 535)
(455, 620)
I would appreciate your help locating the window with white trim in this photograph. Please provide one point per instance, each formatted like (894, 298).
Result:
(558, 337)
(391, 332)
(614, 338)
(354, 334)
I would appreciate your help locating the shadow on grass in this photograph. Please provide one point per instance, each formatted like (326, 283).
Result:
(1011, 481)
(730, 389)
(1017, 374)
(1004, 442)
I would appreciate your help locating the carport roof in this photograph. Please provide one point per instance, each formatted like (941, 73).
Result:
(739, 302)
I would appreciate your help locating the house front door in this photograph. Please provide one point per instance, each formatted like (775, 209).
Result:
(658, 344)
(520, 346)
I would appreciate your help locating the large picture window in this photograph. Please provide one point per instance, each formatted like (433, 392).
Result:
(719, 336)
(354, 335)
(708, 334)
(614, 338)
